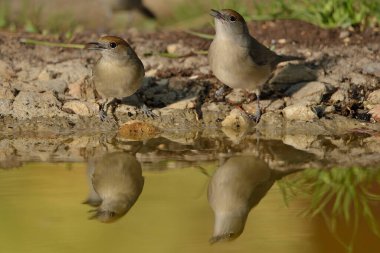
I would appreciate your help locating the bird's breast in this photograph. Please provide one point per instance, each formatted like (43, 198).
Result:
(233, 66)
(117, 81)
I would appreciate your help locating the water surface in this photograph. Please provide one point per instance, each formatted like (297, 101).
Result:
(161, 195)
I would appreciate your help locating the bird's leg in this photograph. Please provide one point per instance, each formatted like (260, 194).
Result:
(144, 108)
(147, 111)
(104, 107)
(220, 92)
(256, 117)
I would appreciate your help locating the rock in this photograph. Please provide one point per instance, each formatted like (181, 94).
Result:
(276, 105)
(178, 49)
(82, 89)
(344, 34)
(6, 93)
(329, 109)
(251, 107)
(372, 69)
(28, 105)
(374, 97)
(188, 103)
(81, 108)
(375, 112)
(6, 71)
(137, 130)
(291, 74)
(299, 112)
(237, 119)
(236, 97)
(56, 85)
(307, 92)
(339, 96)
(357, 79)
(5, 107)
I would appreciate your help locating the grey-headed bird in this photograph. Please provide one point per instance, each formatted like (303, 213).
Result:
(237, 59)
(234, 189)
(117, 179)
(119, 73)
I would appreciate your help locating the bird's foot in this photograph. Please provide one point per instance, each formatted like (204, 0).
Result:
(219, 94)
(255, 117)
(148, 112)
(102, 114)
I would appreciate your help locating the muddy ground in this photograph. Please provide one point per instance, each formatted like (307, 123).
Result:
(337, 89)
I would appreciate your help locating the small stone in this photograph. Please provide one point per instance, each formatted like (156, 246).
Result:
(357, 79)
(374, 97)
(6, 93)
(56, 85)
(251, 108)
(6, 71)
(344, 34)
(178, 49)
(236, 97)
(5, 107)
(151, 73)
(329, 109)
(137, 130)
(81, 108)
(372, 69)
(237, 119)
(311, 92)
(290, 74)
(28, 105)
(339, 96)
(299, 112)
(375, 112)
(276, 105)
(281, 41)
(184, 104)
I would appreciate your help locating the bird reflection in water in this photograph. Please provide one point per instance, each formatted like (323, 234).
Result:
(234, 189)
(115, 182)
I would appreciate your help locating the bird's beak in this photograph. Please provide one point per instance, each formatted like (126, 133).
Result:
(216, 14)
(94, 46)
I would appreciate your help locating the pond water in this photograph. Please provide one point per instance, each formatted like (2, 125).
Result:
(207, 194)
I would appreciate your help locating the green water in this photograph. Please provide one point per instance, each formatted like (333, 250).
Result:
(42, 212)
(293, 209)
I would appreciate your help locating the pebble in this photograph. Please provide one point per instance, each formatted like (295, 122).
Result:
(236, 97)
(311, 92)
(81, 108)
(299, 112)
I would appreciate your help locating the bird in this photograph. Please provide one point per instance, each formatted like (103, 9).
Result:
(237, 59)
(119, 72)
(116, 178)
(128, 5)
(234, 189)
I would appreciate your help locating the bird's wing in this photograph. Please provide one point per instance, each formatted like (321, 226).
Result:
(261, 55)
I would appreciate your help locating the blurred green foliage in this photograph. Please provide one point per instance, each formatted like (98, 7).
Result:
(32, 17)
(323, 13)
(336, 194)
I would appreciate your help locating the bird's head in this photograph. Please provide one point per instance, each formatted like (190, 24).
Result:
(229, 23)
(112, 46)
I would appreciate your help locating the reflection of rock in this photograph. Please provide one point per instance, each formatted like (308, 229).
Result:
(117, 182)
(235, 188)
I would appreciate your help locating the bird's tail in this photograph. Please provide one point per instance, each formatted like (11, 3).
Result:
(146, 12)
(283, 58)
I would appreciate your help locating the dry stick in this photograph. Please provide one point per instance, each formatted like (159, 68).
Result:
(51, 44)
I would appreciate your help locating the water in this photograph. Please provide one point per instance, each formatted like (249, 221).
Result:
(172, 194)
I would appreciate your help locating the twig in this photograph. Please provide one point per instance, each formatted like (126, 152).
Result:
(51, 44)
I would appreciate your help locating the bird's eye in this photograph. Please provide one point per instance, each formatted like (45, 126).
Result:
(232, 18)
(113, 44)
